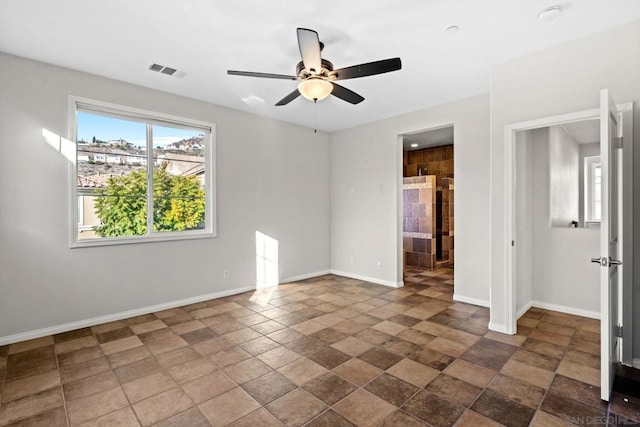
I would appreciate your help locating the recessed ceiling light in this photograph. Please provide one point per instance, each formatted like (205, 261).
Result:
(549, 13)
(452, 29)
(414, 145)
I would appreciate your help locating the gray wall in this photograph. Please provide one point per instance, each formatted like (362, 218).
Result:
(272, 177)
(366, 197)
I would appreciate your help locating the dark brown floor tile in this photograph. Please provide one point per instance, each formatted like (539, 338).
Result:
(269, 387)
(30, 362)
(52, 418)
(577, 390)
(402, 419)
(72, 335)
(191, 417)
(391, 389)
(431, 358)
(404, 320)
(30, 406)
(296, 408)
(400, 347)
(198, 335)
(380, 358)
(330, 418)
(569, 409)
(536, 359)
(329, 357)
(544, 348)
(114, 334)
(128, 356)
(305, 345)
(518, 391)
(505, 411)
(329, 388)
(416, 337)
(328, 335)
(489, 353)
(433, 409)
(453, 389)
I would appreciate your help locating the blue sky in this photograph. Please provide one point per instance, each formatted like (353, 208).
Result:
(108, 128)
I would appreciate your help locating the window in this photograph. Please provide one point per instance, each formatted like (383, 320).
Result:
(139, 176)
(592, 183)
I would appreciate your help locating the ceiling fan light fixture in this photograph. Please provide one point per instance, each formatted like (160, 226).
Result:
(315, 89)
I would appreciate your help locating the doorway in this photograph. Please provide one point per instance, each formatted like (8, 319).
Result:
(615, 281)
(428, 229)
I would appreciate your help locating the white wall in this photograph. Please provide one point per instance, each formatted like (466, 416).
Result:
(563, 164)
(366, 172)
(523, 274)
(563, 79)
(271, 177)
(563, 278)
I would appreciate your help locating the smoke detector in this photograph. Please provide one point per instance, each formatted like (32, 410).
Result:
(549, 13)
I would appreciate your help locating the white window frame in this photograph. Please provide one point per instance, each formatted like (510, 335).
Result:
(151, 118)
(590, 165)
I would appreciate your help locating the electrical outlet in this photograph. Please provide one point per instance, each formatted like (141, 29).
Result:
(379, 265)
(226, 274)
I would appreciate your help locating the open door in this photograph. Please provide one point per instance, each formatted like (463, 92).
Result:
(610, 251)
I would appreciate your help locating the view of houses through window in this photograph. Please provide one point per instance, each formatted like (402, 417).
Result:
(120, 158)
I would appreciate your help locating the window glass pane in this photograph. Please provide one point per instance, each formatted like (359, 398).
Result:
(112, 176)
(178, 179)
(597, 192)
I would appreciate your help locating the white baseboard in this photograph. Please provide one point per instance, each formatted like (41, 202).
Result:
(368, 279)
(470, 300)
(305, 276)
(636, 363)
(566, 309)
(24, 336)
(523, 310)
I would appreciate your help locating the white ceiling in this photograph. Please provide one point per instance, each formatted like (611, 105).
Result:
(429, 138)
(121, 38)
(584, 131)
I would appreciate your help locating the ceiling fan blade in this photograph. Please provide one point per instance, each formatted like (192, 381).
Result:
(368, 69)
(346, 94)
(309, 45)
(287, 99)
(263, 75)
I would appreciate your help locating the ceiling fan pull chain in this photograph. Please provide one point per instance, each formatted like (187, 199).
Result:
(315, 116)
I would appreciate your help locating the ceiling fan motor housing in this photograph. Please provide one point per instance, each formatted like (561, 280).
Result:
(325, 72)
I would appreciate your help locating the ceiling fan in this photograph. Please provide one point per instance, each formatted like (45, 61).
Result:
(317, 76)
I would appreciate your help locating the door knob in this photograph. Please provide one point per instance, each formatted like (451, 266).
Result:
(614, 261)
(596, 260)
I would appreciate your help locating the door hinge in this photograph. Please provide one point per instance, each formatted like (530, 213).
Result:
(619, 331)
(618, 142)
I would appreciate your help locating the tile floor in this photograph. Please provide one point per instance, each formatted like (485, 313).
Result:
(329, 351)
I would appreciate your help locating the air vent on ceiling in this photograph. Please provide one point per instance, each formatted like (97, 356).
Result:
(167, 70)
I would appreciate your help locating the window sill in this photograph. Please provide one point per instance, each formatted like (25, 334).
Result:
(159, 237)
